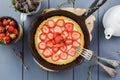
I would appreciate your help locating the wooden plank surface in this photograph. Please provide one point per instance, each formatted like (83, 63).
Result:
(108, 48)
(67, 74)
(10, 65)
(81, 71)
(35, 72)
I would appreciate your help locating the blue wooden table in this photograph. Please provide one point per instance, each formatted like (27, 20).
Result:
(12, 69)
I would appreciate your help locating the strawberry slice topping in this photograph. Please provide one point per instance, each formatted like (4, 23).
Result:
(58, 29)
(69, 26)
(42, 36)
(49, 43)
(63, 48)
(72, 51)
(63, 56)
(45, 29)
(51, 23)
(68, 41)
(47, 53)
(76, 44)
(60, 22)
(65, 33)
(41, 45)
(59, 39)
(50, 35)
(75, 35)
(55, 57)
(55, 49)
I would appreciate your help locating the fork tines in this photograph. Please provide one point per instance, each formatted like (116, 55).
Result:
(87, 54)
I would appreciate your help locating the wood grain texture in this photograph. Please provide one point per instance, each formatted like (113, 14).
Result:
(35, 72)
(10, 65)
(81, 71)
(108, 48)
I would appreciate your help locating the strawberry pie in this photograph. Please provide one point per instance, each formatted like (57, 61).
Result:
(57, 38)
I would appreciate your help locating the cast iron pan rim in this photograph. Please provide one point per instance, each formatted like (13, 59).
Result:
(43, 17)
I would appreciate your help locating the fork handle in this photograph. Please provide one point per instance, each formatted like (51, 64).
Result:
(112, 72)
(114, 63)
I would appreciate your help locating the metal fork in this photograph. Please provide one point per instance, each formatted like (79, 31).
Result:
(88, 55)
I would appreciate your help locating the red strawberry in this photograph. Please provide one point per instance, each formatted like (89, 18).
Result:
(63, 56)
(76, 44)
(50, 35)
(45, 29)
(57, 29)
(51, 23)
(55, 34)
(47, 53)
(65, 33)
(7, 39)
(11, 29)
(59, 45)
(5, 22)
(75, 35)
(12, 36)
(59, 39)
(49, 43)
(42, 45)
(63, 48)
(15, 31)
(42, 36)
(12, 23)
(60, 22)
(69, 26)
(2, 35)
(72, 51)
(1, 29)
(68, 41)
(55, 49)
(55, 57)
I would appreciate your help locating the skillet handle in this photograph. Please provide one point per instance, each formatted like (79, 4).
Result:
(95, 5)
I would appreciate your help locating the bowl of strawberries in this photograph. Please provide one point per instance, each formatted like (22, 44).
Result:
(10, 30)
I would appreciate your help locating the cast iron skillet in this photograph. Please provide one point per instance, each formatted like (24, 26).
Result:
(79, 19)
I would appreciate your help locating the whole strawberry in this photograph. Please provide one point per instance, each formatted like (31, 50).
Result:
(6, 39)
(10, 29)
(5, 22)
(1, 29)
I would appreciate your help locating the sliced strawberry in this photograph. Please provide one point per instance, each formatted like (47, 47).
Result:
(69, 35)
(7, 39)
(11, 29)
(69, 26)
(41, 45)
(50, 35)
(12, 23)
(5, 22)
(45, 29)
(59, 39)
(63, 56)
(55, 49)
(76, 44)
(58, 29)
(63, 28)
(72, 51)
(55, 34)
(55, 57)
(59, 45)
(51, 23)
(75, 35)
(47, 53)
(68, 41)
(63, 48)
(60, 22)
(68, 47)
(65, 33)
(1, 29)
(42, 36)
(49, 44)
(15, 31)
